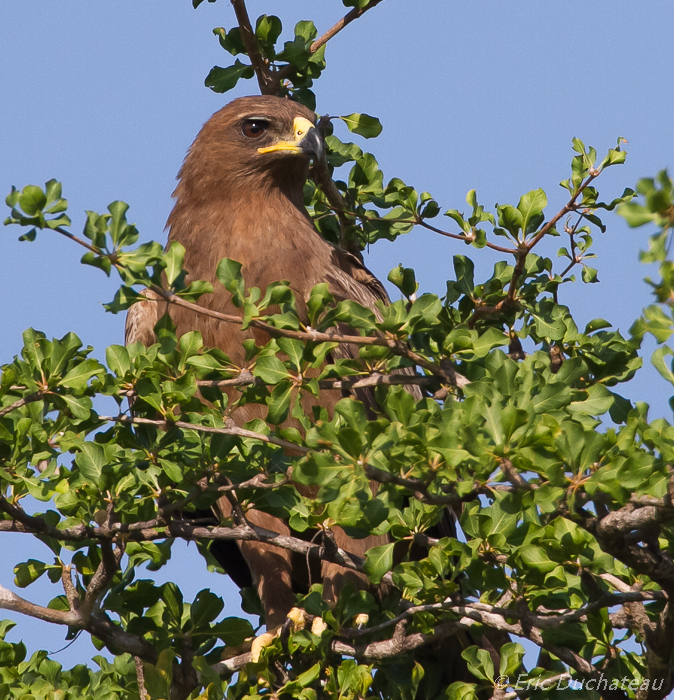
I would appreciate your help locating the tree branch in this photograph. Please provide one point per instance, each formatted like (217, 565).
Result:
(113, 636)
(21, 402)
(250, 532)
(464, 238)
(22, 522)
(551, 621)
(269, 84)
(154, 530)
(245, 378)
(338, 26)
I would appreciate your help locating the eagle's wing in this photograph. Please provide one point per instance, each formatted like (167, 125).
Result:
(350, 279)
(142, 318)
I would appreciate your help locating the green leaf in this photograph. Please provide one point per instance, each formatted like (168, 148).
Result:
(293, 349)
(511, 658)
(658, 360)
(270, 369)
(479, 663)
(267, 31)
(510, 219)
(599, 400)
(229, 275)
(29, 571)
(190, 344)
(536, 558)
(363, 125)
(233, 630)
(404, 279)
(173, 597)
(194, 290)
(636, 215)
(91, 461)
(464, 270)
(378, 561)
(80, 374)
(225, 79)
(174, 257)
(279, 402)
(125, 298)
(318, 301)
(158, 678)
(531, 206)
(461, 691)
(121, 232)
(589, 274)
(32, 200)
(205, 608)
(118, 359)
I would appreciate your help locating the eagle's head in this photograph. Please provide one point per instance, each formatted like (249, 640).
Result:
(252, 144)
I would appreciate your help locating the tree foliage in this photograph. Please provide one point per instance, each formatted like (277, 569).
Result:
(563, 487)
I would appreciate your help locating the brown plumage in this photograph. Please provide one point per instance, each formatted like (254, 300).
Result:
(240, 196)
(237, 202)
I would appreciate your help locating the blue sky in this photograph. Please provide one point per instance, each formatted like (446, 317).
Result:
(107, 97)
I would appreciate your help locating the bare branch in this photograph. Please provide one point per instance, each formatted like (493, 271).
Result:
(245, 378)
(230, 666)
(545, 684)
(113, 636)
(629, 519)
(269, 84)
(338, 26)
(513, 476)
(549, 621)
(100, 580)
(464, 238)
(250, 532)
(84, 244)
(70, 591)
(22, 522)
(140, 676)
(13, 602)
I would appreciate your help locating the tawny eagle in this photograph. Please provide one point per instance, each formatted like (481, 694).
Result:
(240, 196)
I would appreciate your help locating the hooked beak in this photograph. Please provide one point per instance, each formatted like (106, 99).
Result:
(307, 141)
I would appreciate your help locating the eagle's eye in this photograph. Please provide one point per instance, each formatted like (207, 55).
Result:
(254, 128)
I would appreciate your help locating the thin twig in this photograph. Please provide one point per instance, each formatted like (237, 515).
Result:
(488, 244)
(568, 207)
(88, 246)
(338, 26)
